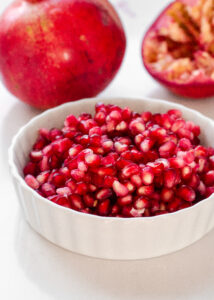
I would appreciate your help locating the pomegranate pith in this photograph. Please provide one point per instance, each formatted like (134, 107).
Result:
(112, 173)
(178, 48)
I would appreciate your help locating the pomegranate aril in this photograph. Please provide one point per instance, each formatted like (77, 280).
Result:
(209, 191)
(39, 144)
(201, 188)
(130, 170)
(32, 181)
(146, 145)
(81, 188)
(146, 116)
(71, 121)
(186, 172)
(184, 144)
(167, 194)
(209, 178)
(77, 175)
(136, 126)
(119, 147)
(167, 149)
(43, 177)
(103, 194)
(136, 180)
(71, 184)
(122, 201)
(82, 166)
(88, 200)
(186, 193)
(174, 205)
(115, 210)
(74, 150)
(36, 156)
(122, 126)
(100, 117)
(103, 207)
(54, 134)
(64, 191)
(30, 168)
(63, 201)
(92, 159)
(141, 203)
(177, 125)
(76, 202)
(145, 190)
(44, 164)
(169, 176)
(174, 114)
(58, 180)
(120, 189)
(147, 175)
(176, 162)
(48, 189)
(129, 186)
(126, 113)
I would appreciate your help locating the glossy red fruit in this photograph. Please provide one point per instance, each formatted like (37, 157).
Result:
(177, 50)
(62, 51)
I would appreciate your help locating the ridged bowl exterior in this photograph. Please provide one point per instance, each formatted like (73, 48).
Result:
(108, 237)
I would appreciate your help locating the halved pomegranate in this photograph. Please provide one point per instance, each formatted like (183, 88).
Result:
(178, 49)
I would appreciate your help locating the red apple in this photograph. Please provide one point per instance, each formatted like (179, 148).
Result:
(178, 48)
(54, 51)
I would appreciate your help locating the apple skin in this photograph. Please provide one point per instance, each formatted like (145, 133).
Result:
(55, 51)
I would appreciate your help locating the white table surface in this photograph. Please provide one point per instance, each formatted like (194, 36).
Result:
(32, 268)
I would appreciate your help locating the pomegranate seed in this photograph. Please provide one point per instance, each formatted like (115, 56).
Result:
(177, 125)
(136, 126)
(145, 190)
(130, 170)
(43, 177)
(177, 162)
(120, 189)
(122, 126)
(186, 172)
(32, 182)
(77, 174)
(167, 194)
(141, 203)
(119, 147)
(81, 188)
(147, 175)
(48, 189)
(184, 144)
(169, 178)
(104, 207)
(64, 191)
(136, 180)
(174, 114)
(129, 186)
(88, 200)
(30, 168)
(167, 149)
(126, 200)
(92, 159)
(174, 205)
(103, 194)
(36, 156)
(209, 178)
(74, 150)
(146, 116)
(146, 145)
(71, 185)
(186, 193)
(76, 202)
(63, 201)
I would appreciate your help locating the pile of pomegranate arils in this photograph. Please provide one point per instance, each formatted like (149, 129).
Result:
(121, 163)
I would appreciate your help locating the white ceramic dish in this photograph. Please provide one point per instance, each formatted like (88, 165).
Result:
(108, 237)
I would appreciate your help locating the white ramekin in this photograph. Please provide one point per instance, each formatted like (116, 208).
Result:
(108, 237)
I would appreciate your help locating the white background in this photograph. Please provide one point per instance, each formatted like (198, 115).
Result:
(32, 268)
